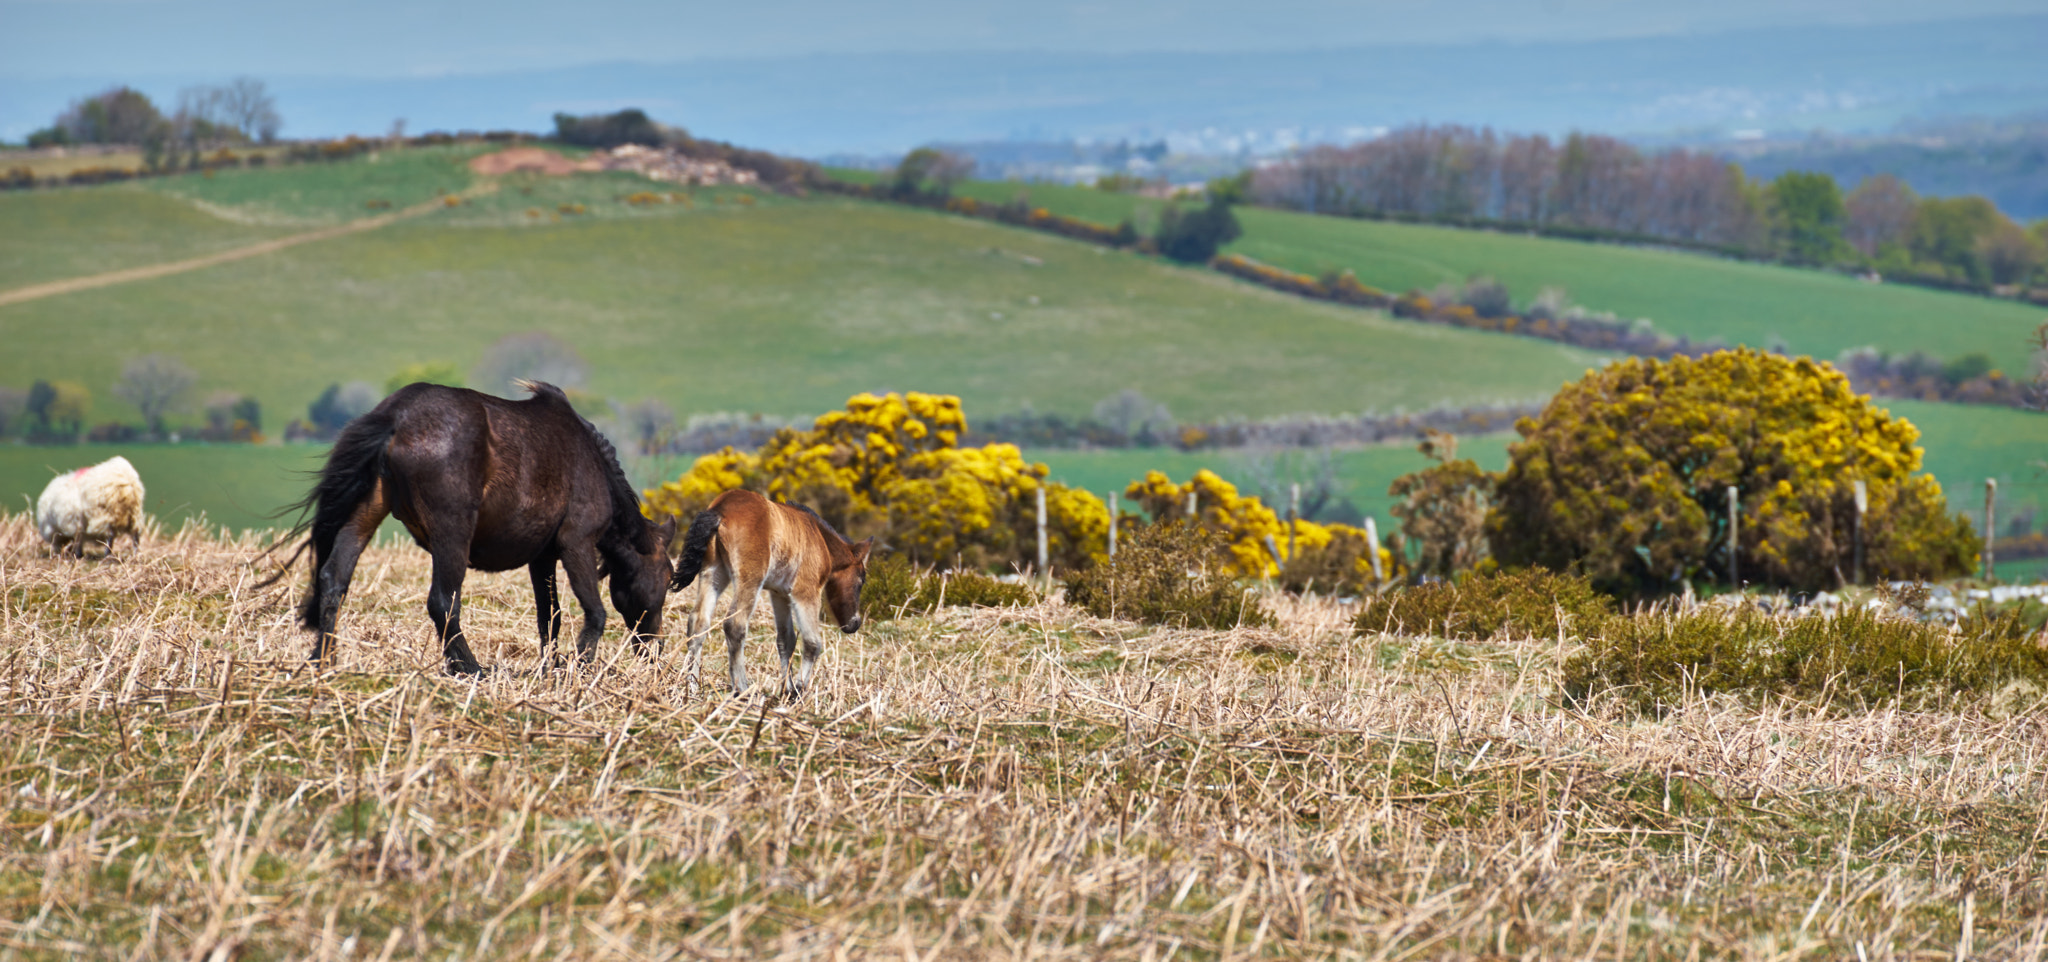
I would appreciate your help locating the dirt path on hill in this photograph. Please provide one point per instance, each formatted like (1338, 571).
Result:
(151, 271)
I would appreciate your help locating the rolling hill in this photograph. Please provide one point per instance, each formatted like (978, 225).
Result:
(736, 299)
(1808, 312)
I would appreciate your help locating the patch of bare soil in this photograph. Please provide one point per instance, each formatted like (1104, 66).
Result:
(531, 159)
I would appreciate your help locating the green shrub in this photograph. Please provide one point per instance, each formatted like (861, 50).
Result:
(1856, 658)
(1167, 574)
(1531, 602)
(895, 586)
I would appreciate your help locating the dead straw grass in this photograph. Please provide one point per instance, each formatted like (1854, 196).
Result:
(982, 784)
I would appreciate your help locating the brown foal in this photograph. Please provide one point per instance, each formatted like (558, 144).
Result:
(745, 542)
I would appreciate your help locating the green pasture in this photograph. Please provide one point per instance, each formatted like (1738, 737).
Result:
(321, 193)
(51, 235)
(784, 306)
(1810, 312)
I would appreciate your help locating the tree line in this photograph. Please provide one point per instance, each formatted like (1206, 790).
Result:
(241, 111)
(1602, 188)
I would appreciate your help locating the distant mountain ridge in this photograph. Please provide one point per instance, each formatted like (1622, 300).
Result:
(1844, 79)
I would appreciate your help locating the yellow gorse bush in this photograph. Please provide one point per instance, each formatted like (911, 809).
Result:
(892, 466)
(1246, 523)
(1624, 478)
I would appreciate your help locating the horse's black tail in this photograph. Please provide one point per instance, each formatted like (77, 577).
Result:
(696, 545)
(349, 476)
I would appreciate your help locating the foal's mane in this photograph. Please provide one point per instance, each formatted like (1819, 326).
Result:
(836, 538)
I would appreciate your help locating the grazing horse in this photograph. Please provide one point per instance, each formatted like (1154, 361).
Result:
(745, 542)
(486, 483)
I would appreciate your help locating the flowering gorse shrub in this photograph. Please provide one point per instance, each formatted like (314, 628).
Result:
(1246, 523)
(892, 466)
(1624, 478)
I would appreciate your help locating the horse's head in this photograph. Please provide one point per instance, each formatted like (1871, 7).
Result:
(842, 587)
(639, 594)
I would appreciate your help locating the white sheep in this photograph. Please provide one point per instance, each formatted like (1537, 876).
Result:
(99, 503)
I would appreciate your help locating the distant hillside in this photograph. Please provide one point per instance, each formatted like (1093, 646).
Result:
(2007, 163)
(713, 299)
(1697, 296)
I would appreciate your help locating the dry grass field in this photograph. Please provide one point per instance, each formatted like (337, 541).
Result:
(1032, 782)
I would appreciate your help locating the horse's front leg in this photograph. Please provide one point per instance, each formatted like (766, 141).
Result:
(581, 567)
(785, 637)
(805, 614)
(547, 604)
(444, 606)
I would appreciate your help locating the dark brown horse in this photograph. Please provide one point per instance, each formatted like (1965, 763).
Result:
(745, 542)
(486, 483)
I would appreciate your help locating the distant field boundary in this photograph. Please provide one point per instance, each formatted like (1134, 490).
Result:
(1591, 333)
(73, 285)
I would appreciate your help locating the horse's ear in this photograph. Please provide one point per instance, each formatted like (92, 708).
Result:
(667, 529)
(861, 550)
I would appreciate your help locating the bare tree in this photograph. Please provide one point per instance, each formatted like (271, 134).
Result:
(1880, 212)
(1136, 416)
(532, 356)
(247, 105)
(157, 385)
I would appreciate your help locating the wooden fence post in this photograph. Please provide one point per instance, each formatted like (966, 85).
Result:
(1990, 527)
(1862, 506)
(1112, 524)
(1293, 515)
(1192, 507)
(1045, 571)
(1372, 550)
(1734, 537)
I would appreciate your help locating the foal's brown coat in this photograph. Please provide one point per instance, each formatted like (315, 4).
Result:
(745, 542)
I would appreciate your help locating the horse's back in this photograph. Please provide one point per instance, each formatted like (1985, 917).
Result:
(514, 474)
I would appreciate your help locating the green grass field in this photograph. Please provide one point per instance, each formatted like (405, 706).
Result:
(737, 299)
(50, 235)
(1811, 312)
(780, 306)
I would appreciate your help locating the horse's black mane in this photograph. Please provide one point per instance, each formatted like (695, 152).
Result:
(628, 524)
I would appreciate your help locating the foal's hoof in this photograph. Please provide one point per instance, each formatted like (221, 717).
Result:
(470, 671)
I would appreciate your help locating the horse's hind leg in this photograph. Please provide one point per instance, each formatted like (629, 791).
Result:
(547, 604)
(710, 585)
(339, 569)
(742, 611)
(581, 567)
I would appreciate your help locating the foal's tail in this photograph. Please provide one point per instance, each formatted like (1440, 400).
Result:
(349, 476)
(696, 546)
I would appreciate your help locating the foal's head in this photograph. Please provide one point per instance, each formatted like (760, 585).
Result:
(842, 587)
(638, 594)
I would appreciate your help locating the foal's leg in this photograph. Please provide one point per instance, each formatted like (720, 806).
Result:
(711, 583)
(785, 637)
(340, 568)
(547, 604)
(746, 592)
(581, 567)
(806, 614)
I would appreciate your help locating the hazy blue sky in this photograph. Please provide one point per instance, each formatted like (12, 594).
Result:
(395, 38)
